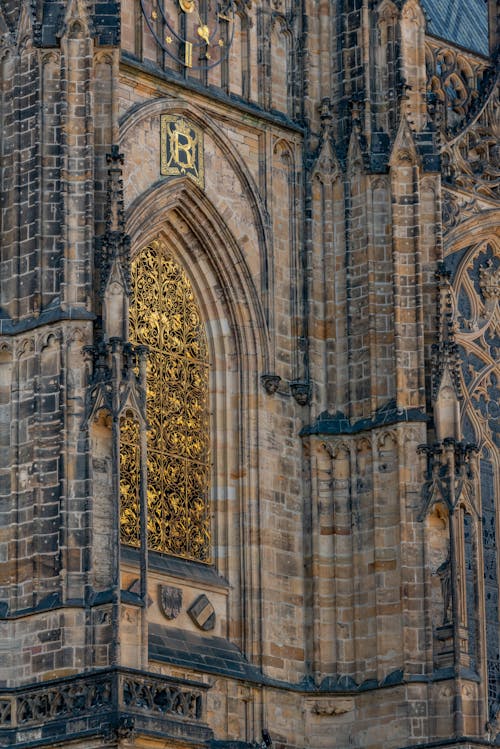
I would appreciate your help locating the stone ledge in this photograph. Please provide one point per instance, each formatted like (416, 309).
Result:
(339, 424)
(184, 569)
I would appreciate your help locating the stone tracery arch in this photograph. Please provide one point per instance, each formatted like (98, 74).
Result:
(179, 216)
(473, 262)
(164, 316)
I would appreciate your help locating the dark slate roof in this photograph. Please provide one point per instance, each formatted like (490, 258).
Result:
(213, 655)
(462, 22)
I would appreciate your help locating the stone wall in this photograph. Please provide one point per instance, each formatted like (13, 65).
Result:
(341, 239)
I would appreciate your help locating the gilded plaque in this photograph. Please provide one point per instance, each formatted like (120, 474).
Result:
(181, 149)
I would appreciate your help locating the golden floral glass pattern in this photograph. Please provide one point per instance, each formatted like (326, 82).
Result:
(165, 317)
(129, 479)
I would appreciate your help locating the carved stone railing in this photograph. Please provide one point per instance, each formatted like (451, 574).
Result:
(155, 696)
(63, 700)
(116, 700)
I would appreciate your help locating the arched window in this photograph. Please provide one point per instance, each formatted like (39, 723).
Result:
(165, 317)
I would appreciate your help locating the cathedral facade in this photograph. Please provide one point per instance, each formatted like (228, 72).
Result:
(249, 374)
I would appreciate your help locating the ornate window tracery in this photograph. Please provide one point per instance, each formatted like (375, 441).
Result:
(165, 316)
(475, 319)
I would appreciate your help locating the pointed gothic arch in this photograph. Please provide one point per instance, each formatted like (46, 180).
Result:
(164, 316)
(178, 216)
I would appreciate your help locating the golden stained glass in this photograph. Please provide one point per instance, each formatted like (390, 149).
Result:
(129, 479)
(164, 316)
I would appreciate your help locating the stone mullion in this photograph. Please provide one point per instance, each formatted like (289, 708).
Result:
(330, 373)
(355, 570)
(427, 621)
(310, 49)
(351, 73)
(27, 192)
(318, 547)
(35, 199)
(16, 173)
(14, 545)
(8, 162)
(419, 290)
(366, 51)
(342, 551)
(104, 120)
(380, 226)
(385, 562)
(23, 393)
(75, 486)
(359, 319)
(78, 170)
(371, 556)
(431, 252)
(338, 359)
(6, 510)
(47, 457)
(348, 283)
(50, 177)
(326, 575)
(35, 482)
(263, 57)
(285, 295)
(372, 266)
(326, 49)
(415, 580)
(318, 324)
(407, 334)
(251, 509)
(143, 511)
(313, 640)
(76, 258)
(482, 656)
(412, 27)
(298, 267)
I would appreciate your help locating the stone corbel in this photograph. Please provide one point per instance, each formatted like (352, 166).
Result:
(270, 382)
(301, 391)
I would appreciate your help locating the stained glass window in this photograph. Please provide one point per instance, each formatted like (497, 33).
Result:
(165, 316)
